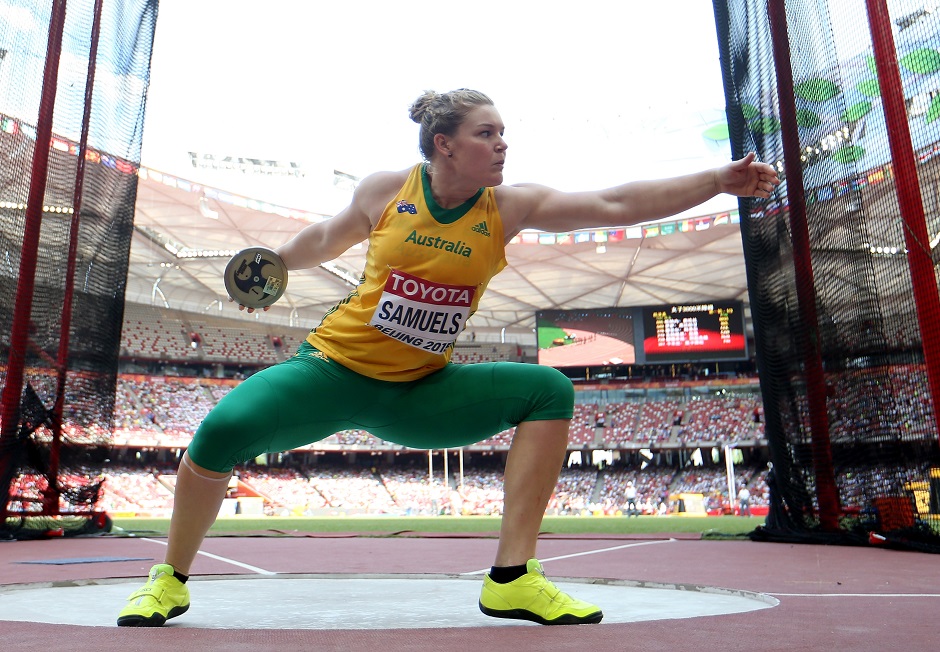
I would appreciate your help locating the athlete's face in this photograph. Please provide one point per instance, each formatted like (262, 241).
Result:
(479, 148)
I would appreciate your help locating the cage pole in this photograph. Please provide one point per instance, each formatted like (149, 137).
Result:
(907, 186)
(826, 491)
(51, 497)
(19, 334)
(729, 476)
(446, 469)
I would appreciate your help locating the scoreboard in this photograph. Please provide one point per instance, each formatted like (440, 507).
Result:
(678, 333)
(684, 333)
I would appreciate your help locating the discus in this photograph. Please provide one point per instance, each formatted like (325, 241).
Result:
(256, 277)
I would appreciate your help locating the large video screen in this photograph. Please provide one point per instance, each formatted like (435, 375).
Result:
(602, 337)
(688, 333)
(586, 338)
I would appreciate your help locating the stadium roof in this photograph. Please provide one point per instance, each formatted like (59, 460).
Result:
(185, 232)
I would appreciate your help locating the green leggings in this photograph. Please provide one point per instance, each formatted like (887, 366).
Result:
(308, 398)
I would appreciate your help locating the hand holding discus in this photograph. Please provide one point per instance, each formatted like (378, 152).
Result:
(255, 278)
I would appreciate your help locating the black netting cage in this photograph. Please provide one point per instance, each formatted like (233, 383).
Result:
(844, 98)
(73, 81)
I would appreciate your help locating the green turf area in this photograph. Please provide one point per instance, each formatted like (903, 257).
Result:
(548, 335)
(719, 526)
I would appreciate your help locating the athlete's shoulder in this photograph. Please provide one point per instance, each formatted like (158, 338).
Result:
(377, 189)
(385, 181)
(516, 202)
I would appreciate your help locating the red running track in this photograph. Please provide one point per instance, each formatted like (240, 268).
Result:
(832, 598)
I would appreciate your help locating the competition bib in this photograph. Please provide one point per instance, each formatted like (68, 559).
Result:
(421, 313)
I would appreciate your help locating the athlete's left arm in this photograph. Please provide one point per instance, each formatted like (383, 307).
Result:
(539, 207)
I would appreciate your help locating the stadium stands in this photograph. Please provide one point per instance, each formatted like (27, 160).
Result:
(409, 491)
(155, 417)
(178, 365)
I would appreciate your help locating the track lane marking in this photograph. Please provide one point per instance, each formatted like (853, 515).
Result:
(588, 552)
(853, 595)
(254, 569)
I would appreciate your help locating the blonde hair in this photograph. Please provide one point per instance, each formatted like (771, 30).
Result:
(443, 113)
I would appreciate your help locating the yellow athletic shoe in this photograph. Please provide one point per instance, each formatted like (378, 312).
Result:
(533, 597)
(161, 598)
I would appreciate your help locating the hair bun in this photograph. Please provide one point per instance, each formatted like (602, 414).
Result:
(420, 106)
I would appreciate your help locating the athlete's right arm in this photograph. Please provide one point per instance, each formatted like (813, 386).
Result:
(327, 240)
(324, 241)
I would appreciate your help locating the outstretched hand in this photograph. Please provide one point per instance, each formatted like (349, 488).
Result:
(748, 177)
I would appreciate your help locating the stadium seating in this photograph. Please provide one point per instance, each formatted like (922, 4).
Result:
(156, 414)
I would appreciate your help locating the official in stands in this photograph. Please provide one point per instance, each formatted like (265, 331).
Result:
(378, 361)
(744, 501)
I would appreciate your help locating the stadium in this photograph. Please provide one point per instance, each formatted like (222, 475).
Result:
(783, 345)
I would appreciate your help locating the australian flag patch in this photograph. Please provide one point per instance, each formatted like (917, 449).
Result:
(405, 207)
